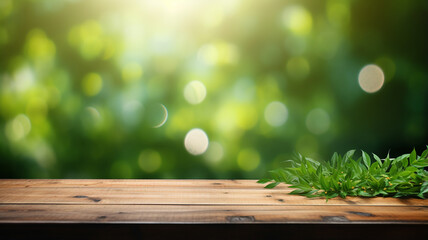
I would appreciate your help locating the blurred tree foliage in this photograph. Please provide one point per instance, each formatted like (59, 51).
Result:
(109, 89)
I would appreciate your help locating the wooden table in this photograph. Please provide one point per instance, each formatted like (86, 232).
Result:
(196, 208)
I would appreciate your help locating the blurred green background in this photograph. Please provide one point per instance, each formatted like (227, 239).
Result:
(206, 89)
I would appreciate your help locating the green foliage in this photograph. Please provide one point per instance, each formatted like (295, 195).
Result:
(344, 176)
(102, 89)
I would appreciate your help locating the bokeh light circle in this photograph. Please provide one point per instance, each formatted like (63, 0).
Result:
(195, 92)
(214, 153)
(297, 20)
(196, 141)
(248, 159)
(18, 128)
(92, 84)
(276, 114)
(149, 160)
(318, 121)
(371, 78)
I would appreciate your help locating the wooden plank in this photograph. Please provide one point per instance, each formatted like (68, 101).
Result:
(170, 195)
(124, 183)
(161, 192)
(189, 201)
(209, 214)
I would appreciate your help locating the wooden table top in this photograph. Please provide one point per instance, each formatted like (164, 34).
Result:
(189, 201)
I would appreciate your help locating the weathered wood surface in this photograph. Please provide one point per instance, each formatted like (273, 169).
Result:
(190, 201)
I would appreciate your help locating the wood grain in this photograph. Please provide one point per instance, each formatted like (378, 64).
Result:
(208, 214)
(189, 201)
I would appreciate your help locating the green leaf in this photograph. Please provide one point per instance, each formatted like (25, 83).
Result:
(424, 187)
(421, 163)
(374, 167)
(411, 169)
(349, 154)
(298, 192)
(425, 153)
(264, 180)
(377, 159)
(366, 159)
(272, 185)
(404, 174)
(332, 195)
(393, 170)
(344, 176)
(386, 163)
(364, 194)
(311, 192)
(323, 182)
(398, 159)
(356, 167)
(405, 162)
(334, 160)
(314, 163)
(284, 175)
(412, 157)
(319, 170)
(275, 176)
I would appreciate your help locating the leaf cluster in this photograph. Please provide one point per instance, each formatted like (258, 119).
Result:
(345, 175)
